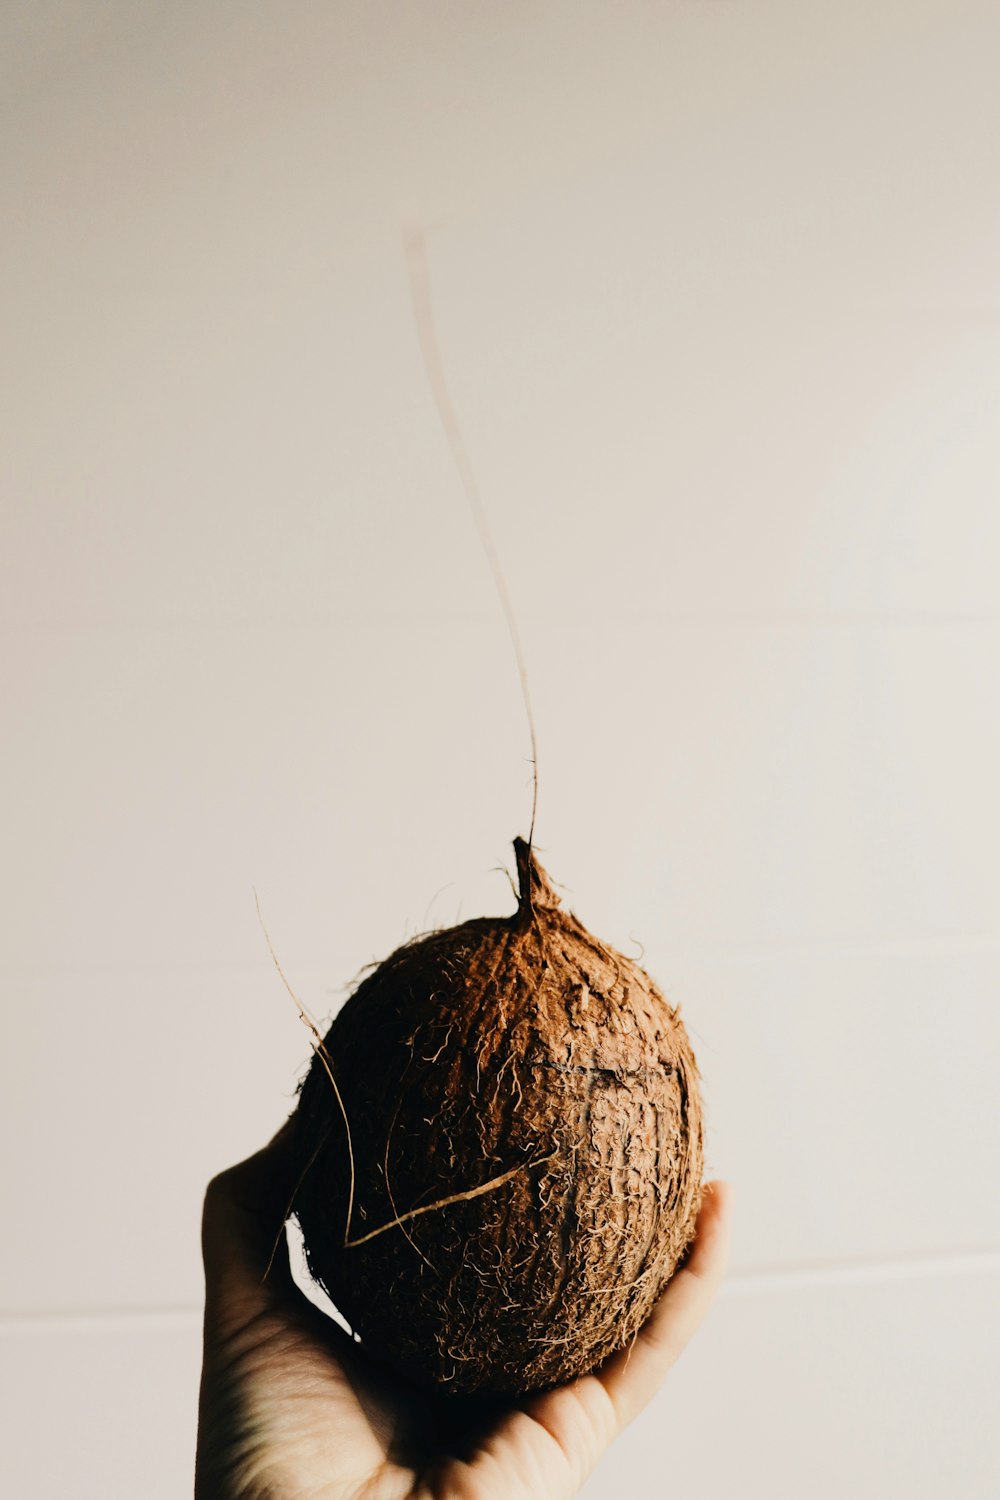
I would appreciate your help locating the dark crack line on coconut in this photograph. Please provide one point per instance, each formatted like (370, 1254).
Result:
(663, 1071)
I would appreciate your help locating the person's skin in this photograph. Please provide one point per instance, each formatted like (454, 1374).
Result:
(290, 1408)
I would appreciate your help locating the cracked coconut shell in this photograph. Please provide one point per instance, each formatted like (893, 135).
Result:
(524, 1163)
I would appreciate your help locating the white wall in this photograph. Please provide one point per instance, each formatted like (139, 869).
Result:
(717, 288)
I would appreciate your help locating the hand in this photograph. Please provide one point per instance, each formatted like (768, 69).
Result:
(291, 1408)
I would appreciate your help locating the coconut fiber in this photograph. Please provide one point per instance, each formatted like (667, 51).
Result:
(522, 1168)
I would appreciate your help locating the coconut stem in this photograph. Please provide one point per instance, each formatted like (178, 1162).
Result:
(535, 889)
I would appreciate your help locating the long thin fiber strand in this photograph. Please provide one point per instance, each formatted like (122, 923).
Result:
(320, 1051)
(420, 288)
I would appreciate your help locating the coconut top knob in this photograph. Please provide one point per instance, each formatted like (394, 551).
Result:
(535, 890)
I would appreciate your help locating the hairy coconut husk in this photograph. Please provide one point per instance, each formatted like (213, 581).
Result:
(523, 1167)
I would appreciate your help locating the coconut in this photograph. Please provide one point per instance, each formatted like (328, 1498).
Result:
(500, 1150)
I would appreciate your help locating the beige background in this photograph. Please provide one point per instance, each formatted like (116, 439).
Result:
(717, 287)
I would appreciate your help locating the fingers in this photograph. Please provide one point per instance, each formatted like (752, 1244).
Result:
(262, 1172)
(242, 1226)
(634, 1375)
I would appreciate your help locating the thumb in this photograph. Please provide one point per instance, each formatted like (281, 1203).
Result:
(242, 1223)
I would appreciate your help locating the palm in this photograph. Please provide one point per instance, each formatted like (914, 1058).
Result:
(292, 1410)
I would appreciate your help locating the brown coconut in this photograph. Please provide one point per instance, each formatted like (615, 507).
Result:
(523, 1165)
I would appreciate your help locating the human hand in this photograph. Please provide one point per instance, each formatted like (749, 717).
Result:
(292, 1409)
